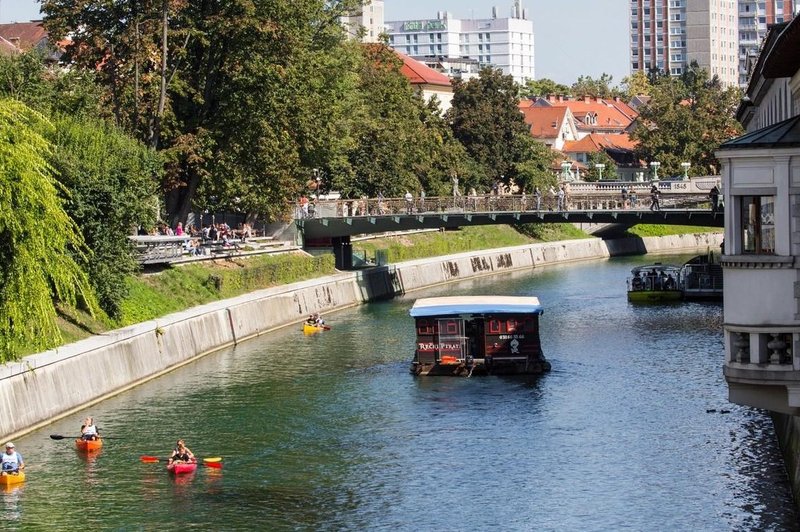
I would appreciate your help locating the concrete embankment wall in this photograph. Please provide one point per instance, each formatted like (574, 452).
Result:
(52, 384)
(787, 428)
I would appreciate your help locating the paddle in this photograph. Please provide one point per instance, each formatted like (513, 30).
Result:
(60, 437)
(214, 461)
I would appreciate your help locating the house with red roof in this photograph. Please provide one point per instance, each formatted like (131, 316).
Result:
(427, 81)
(552, 125)
(619, 147)
(19, 37)
(594, 115)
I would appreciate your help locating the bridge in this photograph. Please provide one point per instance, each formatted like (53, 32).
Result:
(333, 223)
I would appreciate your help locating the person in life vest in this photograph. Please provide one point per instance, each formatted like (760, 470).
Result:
(11, 462)
(181, 454)
(89, 430)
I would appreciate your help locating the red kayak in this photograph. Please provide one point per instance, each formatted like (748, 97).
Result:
(179, 468)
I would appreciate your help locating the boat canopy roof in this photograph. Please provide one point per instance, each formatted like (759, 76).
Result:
(457, 305)
(657, 267)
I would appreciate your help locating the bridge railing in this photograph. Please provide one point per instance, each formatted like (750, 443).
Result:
(584, 201)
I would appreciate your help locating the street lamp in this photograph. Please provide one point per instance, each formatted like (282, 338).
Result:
(565, 167)
(685, 167)
(600, 167)
(654, 167)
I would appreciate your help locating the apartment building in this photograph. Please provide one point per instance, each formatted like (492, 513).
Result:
(504, 43)
(755, 17)
(368, 19)
(669, 34)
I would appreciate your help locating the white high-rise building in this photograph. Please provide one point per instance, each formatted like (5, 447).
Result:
(504, 43)
(754, 18)
(369, 19)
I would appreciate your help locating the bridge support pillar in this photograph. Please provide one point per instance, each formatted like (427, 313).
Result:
(343, 252)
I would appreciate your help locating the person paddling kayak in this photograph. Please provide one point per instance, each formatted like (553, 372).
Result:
(181, 454)
(89, 431)
(11, 462)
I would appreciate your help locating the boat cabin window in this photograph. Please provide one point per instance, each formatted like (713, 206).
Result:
(511, 325)
(451, 327)
(758, 224)
(424, 327)
(494, 326)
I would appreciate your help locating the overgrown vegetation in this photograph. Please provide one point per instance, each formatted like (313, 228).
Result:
(643, 230)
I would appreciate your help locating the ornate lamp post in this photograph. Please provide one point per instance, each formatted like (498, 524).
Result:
(685, 167)
(654, 167)
(565, 166)
(600, 167)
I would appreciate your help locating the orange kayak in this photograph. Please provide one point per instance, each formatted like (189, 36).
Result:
(87, 446)
(13, 478)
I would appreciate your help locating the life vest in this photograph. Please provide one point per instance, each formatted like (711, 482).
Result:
(180, 456)
(11, 462)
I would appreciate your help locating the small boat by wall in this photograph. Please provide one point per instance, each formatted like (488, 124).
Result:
(655, 283)
(702, 278)
(462, 335)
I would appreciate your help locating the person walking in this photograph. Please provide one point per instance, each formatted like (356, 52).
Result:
(714, 196)
(654, 193)
(409, 202)
(560, 196)
(538, 195)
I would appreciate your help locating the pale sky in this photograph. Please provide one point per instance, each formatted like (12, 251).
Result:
(571, 37)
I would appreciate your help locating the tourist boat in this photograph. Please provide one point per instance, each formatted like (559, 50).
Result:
(88, 446)
(11, 479)
(702, 278)
(655, 283)
(180, 468)
(460, 335)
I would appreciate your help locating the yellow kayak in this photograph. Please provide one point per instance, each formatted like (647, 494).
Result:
(311, 329)
(12, 478)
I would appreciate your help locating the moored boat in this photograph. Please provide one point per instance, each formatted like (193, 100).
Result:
(88, 446)
(655, 283)
(483, 334)
(180, 468)
(9, 479)
(702, 278)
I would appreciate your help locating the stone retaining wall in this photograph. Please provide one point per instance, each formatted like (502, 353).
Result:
(43, 387)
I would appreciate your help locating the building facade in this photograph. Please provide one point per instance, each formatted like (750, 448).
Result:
(761, 258)
(368, 19)
(504, 43)
(755, 16)
(669, 34)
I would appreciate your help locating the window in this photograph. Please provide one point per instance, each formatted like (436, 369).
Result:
(424, 327)
(758, 224)
(494, 326)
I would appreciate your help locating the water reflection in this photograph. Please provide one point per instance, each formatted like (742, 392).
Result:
(330, 431)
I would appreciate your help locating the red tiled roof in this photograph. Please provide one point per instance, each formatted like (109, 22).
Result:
(6, 48)
(421, 74)
(598, 141)
(28, 34)
(544, 122)
(608, 116)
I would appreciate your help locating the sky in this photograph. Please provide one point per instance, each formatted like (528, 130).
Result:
(571, 37)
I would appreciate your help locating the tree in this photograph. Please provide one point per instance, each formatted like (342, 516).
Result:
(637, 84)
(543, 87)
(537, 170)
(686, 120)
(609, 168)
(111, 179)
(598, 88)
(485, 118)
(39, 243)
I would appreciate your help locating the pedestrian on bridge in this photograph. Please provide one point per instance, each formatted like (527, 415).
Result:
(714, 196)
(409, 203)
(538, 195)
(561, 194)
(654, 193)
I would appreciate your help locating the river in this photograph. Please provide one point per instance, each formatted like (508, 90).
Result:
(630, 430)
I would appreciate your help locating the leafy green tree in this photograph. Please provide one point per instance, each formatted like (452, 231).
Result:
(485, 118)
(111, 179)
(686, 120)
(598, 88)
(38, 241)
(537, 170)
(543, 87)
(636, 84)
(609, 169)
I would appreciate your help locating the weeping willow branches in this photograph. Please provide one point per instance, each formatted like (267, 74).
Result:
(39, 243)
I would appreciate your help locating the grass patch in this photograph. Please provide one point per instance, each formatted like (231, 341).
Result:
(432, 244)
(643, 230)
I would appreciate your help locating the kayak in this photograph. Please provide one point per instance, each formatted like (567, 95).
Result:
(179, 468)
(310, 329)
(88, 446)
(13, 478)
